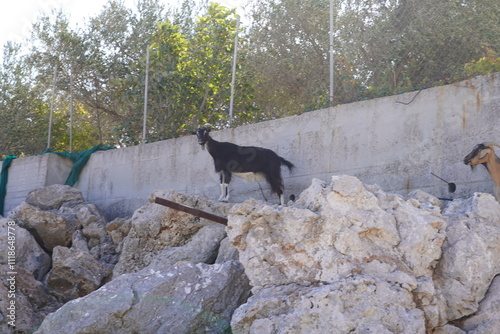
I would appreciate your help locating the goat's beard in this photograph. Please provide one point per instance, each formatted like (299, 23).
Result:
(473, 167)
(203, 147)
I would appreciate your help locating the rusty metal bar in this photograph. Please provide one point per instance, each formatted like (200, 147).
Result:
(192, 211)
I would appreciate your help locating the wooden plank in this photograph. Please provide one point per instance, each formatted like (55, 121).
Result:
(192, 211)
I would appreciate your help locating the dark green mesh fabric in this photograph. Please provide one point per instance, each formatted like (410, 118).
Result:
(79, 161)
(4, 177)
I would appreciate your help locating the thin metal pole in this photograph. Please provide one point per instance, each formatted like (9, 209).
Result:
(145, 98)
(71, 113)
(331, 53)
(52, 106)
(233, 79)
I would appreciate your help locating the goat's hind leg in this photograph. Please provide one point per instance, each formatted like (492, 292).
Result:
(276, 183)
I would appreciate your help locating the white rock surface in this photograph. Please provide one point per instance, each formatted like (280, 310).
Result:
(28, 254)
(155, 228)
(339, 235)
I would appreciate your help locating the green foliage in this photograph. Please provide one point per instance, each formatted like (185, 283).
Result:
(490, 63)
(189, 77)
(23, 113)
(381, 47)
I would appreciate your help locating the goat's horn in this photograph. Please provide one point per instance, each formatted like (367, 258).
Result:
(492, 144)
(208, 125)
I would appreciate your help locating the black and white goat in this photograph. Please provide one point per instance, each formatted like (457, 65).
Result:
(248, 162)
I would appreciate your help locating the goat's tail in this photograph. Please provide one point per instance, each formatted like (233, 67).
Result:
(287, 163)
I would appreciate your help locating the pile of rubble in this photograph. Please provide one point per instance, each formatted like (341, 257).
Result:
(344, 257)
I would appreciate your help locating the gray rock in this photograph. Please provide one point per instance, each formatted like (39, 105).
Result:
(357, 305)
(470, 258)
(333, 232)
(118, 229)
(186, 299)
(28, 254)
(201, 248)
(50, 228)
(86, 212)
(79, 242)
(74, 274)
(53, 196)
(448, 329)
(487, 317)
(155, 228)
(227, 252)
(32, 302)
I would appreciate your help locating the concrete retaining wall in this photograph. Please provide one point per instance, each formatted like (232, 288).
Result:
(395, 142)
(27, 174)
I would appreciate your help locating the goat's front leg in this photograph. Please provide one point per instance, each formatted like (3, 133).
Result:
(496, 192)
(224, 186)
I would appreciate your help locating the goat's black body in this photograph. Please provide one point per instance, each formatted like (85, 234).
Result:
(230, 158)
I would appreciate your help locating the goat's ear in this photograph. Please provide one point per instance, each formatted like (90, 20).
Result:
(192, 132)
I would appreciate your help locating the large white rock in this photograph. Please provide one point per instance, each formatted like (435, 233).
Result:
(334, 232)
(470, 258)
(487, 317)
(346, 232)
(357, 305)
(155, 228)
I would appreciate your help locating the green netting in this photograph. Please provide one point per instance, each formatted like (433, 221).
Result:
(79, 161)
(4, 177)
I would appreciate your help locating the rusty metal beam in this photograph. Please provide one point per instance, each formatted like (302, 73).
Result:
(192, 211)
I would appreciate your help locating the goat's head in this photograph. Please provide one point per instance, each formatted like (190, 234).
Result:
(203, 134)
(479, 154)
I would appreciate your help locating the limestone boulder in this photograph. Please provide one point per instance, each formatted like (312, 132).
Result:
(50, 228)
(487, 317)
(28, 254)
(60, 217)
(227, 252)
(53, 196)
(32, 302)
(337, 237)
(333, 232)
(357, 305)
(155, 228)
(118, 229)
(201, 248)
(74, 274)
(180, 299)
(470, 258)
(79, 242)
(93, 230)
